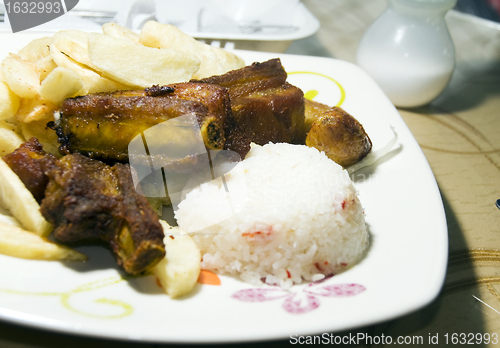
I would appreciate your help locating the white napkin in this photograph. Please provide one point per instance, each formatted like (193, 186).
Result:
(229, 16)
(136, 14)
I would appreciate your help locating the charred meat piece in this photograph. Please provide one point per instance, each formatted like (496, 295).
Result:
(103, 125)
(249, 79)
(337, 133)
(29, 161)
(235, 139)
(87, 200)
(265, 107)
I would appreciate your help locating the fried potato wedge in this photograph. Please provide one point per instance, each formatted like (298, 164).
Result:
(17, 242)
(15, 197)
(36, 49)
(60, 84)
(9, 141)
(178, 272)
(20, 75)
(214, 61)
(92, 81)
(137, 65)
(9, 101)
(120, 32)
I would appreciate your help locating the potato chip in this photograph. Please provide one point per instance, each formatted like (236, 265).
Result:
(228, 60)
(20, 75)
(17, 242)
(36, 49)
(46, 136)
(15, 197)
(35, 109)
(92, 81)
(179, 270)
(74, 44)
(120, 32)
(9, 141)
(60, 84)
(214, 61)
(45, 66)
(9, 102)
(137, 65)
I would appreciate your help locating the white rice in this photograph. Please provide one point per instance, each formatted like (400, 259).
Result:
(295, 216)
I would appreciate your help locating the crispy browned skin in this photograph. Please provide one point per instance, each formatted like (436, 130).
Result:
(338, 134)
(29, 161)
(87, 200)
(103, 125)
(218, 103)
(264, 105)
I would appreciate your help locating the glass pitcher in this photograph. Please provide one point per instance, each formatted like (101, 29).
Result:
(408, 51)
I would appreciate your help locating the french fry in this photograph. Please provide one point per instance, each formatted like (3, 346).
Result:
(20, 75)
(17, 242)
(15, 197)
(179, 270)
(9, 102)
(214, 61)
(92, 81)
(9, 141)
(60, 84)
(120, 32)
(137, 65)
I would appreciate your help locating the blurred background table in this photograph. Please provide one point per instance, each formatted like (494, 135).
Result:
(459, 134)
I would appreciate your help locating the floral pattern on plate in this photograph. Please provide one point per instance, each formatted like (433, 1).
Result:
(300, 301)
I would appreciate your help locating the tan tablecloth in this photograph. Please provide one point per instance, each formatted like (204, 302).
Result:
(460, 136)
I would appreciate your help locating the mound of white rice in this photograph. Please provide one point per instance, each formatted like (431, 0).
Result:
(286, 214)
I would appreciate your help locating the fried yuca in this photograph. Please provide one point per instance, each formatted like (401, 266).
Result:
(15, 197)
(16, 241)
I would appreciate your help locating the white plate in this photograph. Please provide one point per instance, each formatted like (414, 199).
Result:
(265, 20)
(403, 271)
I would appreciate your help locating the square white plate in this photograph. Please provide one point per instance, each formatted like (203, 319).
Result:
(403, 270)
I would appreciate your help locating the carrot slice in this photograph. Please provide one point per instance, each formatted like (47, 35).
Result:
(208, 277)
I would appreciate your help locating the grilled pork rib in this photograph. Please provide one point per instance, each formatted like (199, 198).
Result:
(265, 107)
(251, 104)
(87, 200)
(102, 125)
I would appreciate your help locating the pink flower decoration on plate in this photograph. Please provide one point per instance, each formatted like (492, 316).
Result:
(337, 290)
(302, 301)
